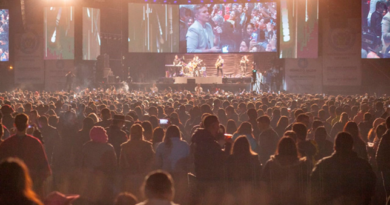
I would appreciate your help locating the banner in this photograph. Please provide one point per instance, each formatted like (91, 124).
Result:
(342, 52)
(55, 74)
(29, 66)
(303, 75)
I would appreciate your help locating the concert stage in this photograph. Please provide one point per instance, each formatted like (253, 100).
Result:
(198, 80)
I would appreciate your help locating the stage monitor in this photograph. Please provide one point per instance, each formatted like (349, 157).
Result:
(375, 29)
(59, 33)
(153, 28)
(229, 27)
(4, 35)
(299, 29)
(91, 33)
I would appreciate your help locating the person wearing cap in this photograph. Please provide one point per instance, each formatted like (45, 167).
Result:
(57, 198)
(116, 136)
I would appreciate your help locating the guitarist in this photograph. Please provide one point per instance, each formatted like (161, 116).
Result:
(196, 65)
(219, 65)
(243, 65)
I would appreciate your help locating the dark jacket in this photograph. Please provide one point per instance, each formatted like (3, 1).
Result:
(116, 137)
(209, 159)
(376, 23)
(383, 152)
(51, 138)
(267, 141)
(342, 177)
(99, 157)
(136, 157)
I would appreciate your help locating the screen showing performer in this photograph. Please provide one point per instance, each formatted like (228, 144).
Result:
(375, 29)
(4, 35)
(153, 28)
(229, 27)
(59, 33)
(299, 29)
(91, 33)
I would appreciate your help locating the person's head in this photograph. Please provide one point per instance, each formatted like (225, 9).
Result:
(158, 135)
(125, 198)
(244, 46)
(263, 122)
(153, 111)
(232, 15)
(344, 117)
(250, 28)
(301, 131)
(239, 8)
(287, 147)
(211, 123)
(245, 129)
(201, 13)
(42, 120)
(119, 120)
(343, 142)
(305, 119)
(352, 128)
(158, 185)
(148, 130)
(320, 134)
(241, 147)
(252, 114)
(291, 134)
(367, 116)
(283, 122)
(87, 124)
(15, 180)
(21, 122)
(316, 124)
(105, 114)
(176, 57)
(381, 7)
(173, 131)
(380, 130)
(231, 127)
(98, 134)
(136, 132)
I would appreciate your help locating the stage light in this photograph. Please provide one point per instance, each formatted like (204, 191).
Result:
(189, 1)
(11, 67)
(175, 2)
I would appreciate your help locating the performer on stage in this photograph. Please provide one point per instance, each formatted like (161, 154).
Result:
(154, 89)
(69, 80)
(219, 65)
(198, 89)
(177, 63)
(196, 66)
(244, 65)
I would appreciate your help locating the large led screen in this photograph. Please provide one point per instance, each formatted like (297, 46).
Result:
(299, 29)
(229, 27)
(91, 33)
(153, 28)
(375, 29)
(59, 33)
(4, 35)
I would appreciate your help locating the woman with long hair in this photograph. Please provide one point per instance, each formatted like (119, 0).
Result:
(231, 127)
(222, 116)
(175, 120)
(172, 153)
(358, 144)
(285, 176)
(243, 171)
(16, 184)
(281, 126)
(148, 130)
(158, 136)
(246, 130)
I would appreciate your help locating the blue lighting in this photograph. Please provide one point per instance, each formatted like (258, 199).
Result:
(189, 1)
(175, 2)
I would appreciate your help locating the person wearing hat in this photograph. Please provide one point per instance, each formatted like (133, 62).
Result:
(116, 136)
(8, 120)
(57, 198)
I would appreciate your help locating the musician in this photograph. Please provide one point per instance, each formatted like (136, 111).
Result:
(154, 89)
(176, 63)
(198, 89)
(196, 66)
(244, 65)
(219, 65)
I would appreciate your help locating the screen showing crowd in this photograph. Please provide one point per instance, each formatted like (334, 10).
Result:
(4, 35)
(153, 28)
(91, 33)
(376, 29)
(229, 27)
(59, 33)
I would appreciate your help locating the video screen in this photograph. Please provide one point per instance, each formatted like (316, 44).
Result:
(375, 29)
(59, 33)
(153, 28)
(229, 27)
(299, 29)
(4, 35)
(91, 33)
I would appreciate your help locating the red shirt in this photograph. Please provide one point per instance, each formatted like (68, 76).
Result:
(30, 150)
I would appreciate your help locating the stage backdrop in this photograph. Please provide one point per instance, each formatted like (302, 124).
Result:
(342, 52)
(55, 74)
(303, 75)
(29, 66)
(231, 65)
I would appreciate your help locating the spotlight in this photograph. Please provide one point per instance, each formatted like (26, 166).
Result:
(11, 67)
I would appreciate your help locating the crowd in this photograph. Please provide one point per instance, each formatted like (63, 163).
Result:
(115, 147)
(237, 27)
(4, 35)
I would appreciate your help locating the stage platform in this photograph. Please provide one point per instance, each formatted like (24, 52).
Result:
(191, 87)
(198, 80)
